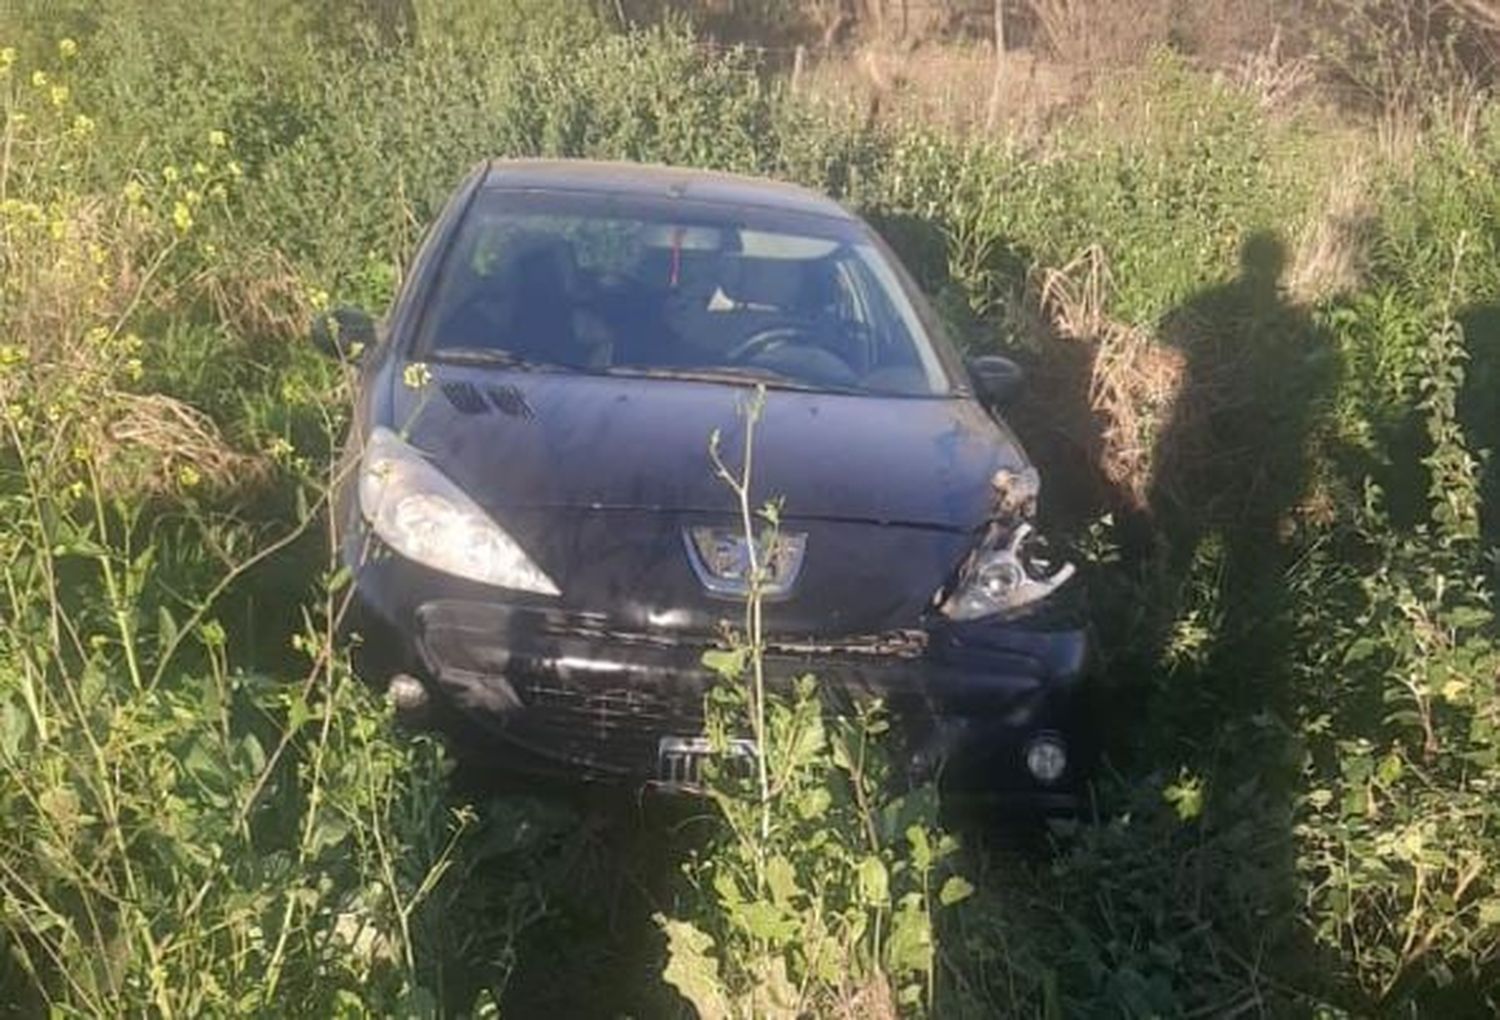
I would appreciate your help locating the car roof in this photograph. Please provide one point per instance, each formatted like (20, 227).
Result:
(659, 181)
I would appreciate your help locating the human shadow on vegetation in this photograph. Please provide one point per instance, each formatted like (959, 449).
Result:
(1229, 490)
(1479, 405)
(1232, 460)
(1192, 860)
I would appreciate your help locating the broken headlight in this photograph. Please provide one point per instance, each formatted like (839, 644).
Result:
(1006, 577)
(421, 514)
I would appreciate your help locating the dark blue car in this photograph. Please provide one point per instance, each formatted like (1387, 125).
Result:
(538, 542)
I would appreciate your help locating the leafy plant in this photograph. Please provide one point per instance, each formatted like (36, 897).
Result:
(181, 835)
(1398, 826)
(818, 889)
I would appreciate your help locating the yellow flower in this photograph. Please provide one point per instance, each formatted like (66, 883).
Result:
(416, 375)
(170, 173)
(39, 79)
(58, 229)
(59, 95)
(182, 217)
(83, 125)
(134, 192)
(200, 169)
(234, 169)
(7, 58)
(318, 299)
(188, 476)
(134, 369)
(218, 139)
(192, 197)
(67, 48)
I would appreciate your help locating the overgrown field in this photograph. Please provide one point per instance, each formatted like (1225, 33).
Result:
(1265, 361)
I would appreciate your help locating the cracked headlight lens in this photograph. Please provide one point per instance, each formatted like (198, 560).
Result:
(421, 514)
(1006, 579)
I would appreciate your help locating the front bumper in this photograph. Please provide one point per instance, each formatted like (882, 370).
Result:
(574, 695)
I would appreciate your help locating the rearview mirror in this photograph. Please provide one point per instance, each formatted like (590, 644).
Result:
(997, 380)
(344, 333)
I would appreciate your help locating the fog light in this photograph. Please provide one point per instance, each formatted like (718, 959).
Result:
(407, 694)
(1046, 759)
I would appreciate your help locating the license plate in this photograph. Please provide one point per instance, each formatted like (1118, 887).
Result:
(679, 761)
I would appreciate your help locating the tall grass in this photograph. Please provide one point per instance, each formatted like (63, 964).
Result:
(204, 813)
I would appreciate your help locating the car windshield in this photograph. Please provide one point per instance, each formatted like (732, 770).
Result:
(677, 289)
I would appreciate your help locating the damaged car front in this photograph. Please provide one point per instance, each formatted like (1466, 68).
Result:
(540, 547)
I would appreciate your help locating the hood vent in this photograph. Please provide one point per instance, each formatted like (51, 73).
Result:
(468, 398)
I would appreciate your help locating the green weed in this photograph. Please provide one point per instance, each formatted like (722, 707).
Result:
(203, 813)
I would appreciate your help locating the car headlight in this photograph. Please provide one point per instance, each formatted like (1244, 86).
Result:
(1006, 578)
(422, 515)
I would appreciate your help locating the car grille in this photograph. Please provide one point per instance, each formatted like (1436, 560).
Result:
(609, 730)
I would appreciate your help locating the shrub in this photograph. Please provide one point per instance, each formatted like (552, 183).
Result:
(1397, 822)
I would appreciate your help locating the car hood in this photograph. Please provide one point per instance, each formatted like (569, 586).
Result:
(536, 440)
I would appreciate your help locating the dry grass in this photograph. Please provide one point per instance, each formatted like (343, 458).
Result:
(872, 1001)
(1109, 387)
(1059, 53)
(1092, 33)
(1403, 126)
(71, 279)
(1276, 78)
(1331, 252)
(156, 443)
(67, 281)
(1115, 382)
(266, 299)
(948, 86)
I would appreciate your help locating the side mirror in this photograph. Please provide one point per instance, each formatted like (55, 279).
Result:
(997, 380)
(343, 333)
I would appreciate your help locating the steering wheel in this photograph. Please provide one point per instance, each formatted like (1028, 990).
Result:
(770, 338)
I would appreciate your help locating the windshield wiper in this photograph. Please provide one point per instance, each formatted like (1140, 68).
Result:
(729, 374)
(488, 356)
